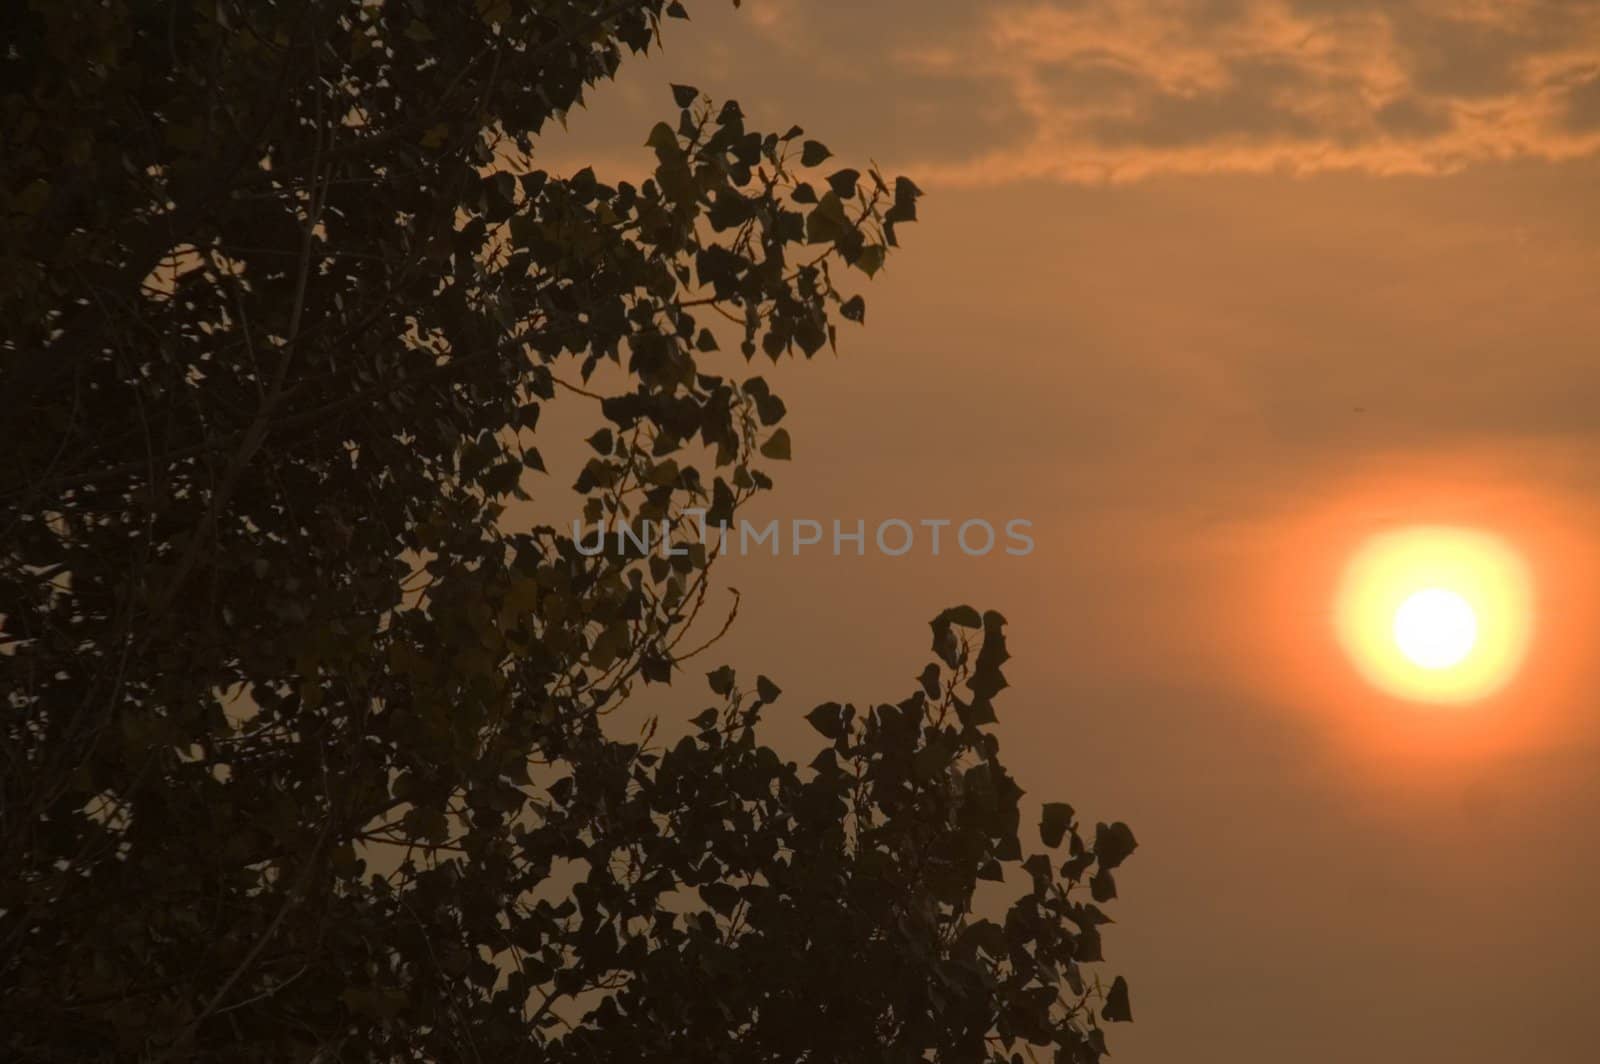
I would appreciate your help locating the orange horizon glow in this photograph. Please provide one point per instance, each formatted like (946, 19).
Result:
(1402, 582)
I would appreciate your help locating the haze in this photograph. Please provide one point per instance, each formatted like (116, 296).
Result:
(1208, 291)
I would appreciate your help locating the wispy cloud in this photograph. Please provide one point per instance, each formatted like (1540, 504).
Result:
(1093, 91)
(1108, 90)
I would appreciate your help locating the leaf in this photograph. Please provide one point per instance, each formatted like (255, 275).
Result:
(987, 680)
(828, 719)
(768, 406)
(976, 713)
(961, 616)
(663, 140)
(1117, 1008)
(813, 153)
(493, 11)
(987, 936)
(684, 95)
(766, 690)
(827, 221)
(930, 762)
(503, 478)
(843, 182)
(854, 309)
(905, 202)
(777, 446)
(720, 896)
(721, 680)
(1054, 823)
(1113, 844)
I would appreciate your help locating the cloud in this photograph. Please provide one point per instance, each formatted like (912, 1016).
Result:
(1097, 91)
(1583, 105)
(1111, 90)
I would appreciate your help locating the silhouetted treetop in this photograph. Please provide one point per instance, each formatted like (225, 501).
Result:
(304, 740)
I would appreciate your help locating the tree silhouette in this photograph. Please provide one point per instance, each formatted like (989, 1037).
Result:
(304, 755)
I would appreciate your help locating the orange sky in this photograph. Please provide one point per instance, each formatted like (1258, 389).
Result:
(1343, 275)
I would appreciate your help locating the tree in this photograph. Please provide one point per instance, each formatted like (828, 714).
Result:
(304, 755)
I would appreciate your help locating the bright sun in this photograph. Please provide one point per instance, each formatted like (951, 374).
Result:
(1435, 614)
(1435, 628)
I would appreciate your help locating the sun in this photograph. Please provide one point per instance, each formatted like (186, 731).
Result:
(1435, 628)
(1435, 613)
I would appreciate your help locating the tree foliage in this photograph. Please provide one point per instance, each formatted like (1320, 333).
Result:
(304, 745)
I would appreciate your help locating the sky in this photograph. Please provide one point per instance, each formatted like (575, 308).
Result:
(1209, 291)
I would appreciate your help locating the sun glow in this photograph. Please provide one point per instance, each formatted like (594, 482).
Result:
(1435, 614)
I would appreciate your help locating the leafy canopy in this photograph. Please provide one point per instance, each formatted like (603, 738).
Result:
(303, 740)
